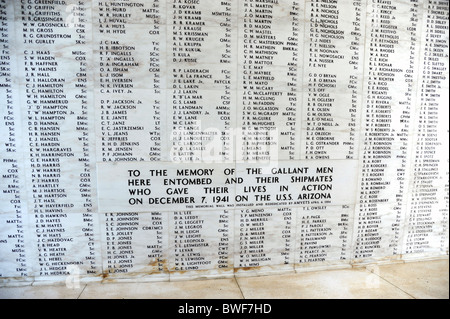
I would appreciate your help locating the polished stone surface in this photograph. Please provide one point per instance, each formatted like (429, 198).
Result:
(414, 280)
(423, 280)
(333, 284)
(162, 141)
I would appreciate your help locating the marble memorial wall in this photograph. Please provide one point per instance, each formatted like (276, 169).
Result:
(156, 140)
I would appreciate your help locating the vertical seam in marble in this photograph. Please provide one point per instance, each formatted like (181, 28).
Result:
(237, 283)
(82, 291)
(390, 283)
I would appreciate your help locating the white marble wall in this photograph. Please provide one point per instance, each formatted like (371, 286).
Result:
(147, 140)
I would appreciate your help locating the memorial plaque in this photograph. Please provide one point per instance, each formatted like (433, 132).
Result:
(146, 140)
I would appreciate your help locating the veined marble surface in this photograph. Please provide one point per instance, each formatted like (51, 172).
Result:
(147, 140)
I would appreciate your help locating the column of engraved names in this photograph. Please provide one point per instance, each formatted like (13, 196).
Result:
(135, 243)
(323, 234)
(201, 241)
(12, 216)
(264, 238)
(427, 218)
(58, 121)
(333, 78)
(389, 92)
(130, 88)
(270, 33)
(201, 74)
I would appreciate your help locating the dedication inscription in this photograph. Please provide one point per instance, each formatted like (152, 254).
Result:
(156, 140)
